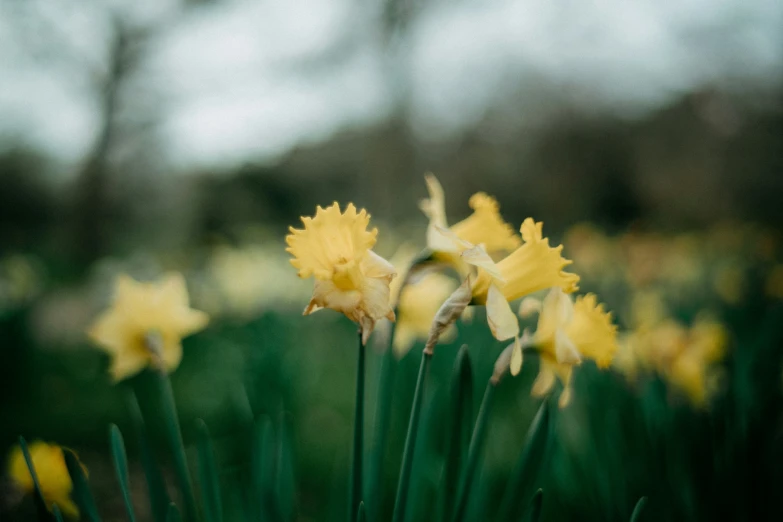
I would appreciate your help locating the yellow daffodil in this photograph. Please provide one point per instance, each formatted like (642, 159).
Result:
(683, 356)
(484, 227)
(53, 478)
(532, 267)
(568, 331)
(145, 325)
(418, 303)
(335, 249)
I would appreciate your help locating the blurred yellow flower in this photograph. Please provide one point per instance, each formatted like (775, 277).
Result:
(418, 303)
(566, 332)
(53, 478)
(335, 249)
(484, 227)
(685, 357)
(145, 325)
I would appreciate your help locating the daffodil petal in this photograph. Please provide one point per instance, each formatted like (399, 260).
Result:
(502, 320)
(477, 256)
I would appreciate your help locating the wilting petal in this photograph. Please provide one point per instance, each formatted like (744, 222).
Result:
(501, 318)
(544, 380)
(479, 257)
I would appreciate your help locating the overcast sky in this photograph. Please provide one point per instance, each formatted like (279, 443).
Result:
(239, 80)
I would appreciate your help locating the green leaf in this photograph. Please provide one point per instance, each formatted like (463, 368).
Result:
(460, 420)
(156, 486)
(208, 476)
(534, 509)
(360, 516)
(172, 513)
(474, 453)
(523, 478)
(637, 511)
(263, 468)
(403, 484)
(56, 512)
(40, 502)
(81, 489)
(121, 468)
(173, 433)
(286, 483)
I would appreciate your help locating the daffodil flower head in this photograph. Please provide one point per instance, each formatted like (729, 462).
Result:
(532, 267)
(567, 332)
(51, 471)
(484, 227)
(335, 249)
(145, 325)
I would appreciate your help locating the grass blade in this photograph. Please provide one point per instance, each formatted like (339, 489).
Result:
(520, 485)
(121, 468)
(403, 484)
(172, 513)
(286, 483)
(360, 516)
(355, 495)
(40, 502)
(637, 511)
(263, 472)
(474, 452)
(173, 433)
(81, 489)
(156, 486)
(534, 510)
(56, 512)
(208, 476)
(460, 421)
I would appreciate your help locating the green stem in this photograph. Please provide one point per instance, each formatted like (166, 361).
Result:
(474, 451)
(176, 444)
(410, 440)
(358, 434)
(382, 417)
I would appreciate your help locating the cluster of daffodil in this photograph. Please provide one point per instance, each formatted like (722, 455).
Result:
(498, 266)
(495, 266)
(659, 274)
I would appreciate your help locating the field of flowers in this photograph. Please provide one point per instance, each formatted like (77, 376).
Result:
(498, 373)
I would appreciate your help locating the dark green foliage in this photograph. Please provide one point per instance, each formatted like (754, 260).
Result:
(121, 469)
(81, 489)
(636, 516)
(208, 477)
(527, 469)
(460, 427)
(156, 486)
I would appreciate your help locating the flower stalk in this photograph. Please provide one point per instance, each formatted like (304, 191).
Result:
(382, 417)
(401, 500)
(358, 434)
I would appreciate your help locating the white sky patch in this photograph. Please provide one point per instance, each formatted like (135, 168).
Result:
(612, 56)
(249, 80)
